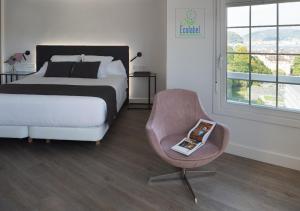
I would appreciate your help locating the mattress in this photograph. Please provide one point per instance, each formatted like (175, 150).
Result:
(59, 111)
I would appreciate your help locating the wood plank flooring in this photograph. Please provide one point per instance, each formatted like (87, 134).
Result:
(113, 176)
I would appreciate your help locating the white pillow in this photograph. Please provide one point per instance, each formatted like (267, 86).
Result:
(116, 68)
(102, 59)
(42, 70)
(66, 58)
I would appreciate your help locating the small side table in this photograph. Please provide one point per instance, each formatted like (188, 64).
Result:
(13, 76)
(148, 76)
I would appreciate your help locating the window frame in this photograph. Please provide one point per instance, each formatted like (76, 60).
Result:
(221, 106)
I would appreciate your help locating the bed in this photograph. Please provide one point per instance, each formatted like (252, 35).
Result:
(63, 117)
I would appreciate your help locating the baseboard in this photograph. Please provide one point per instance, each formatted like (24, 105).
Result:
(265, 156)
(139, 100)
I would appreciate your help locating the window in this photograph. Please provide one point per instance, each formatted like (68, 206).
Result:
(263, 55)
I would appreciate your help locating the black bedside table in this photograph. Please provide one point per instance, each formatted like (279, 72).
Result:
(13, 76)
(148, 76)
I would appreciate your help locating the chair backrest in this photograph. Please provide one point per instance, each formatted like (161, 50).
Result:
(175, 112)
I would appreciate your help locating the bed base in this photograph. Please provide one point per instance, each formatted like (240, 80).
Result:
(48, 141)
(18, 132)
(91, 134)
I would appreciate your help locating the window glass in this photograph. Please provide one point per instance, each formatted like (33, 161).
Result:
(238, 90)
(289, 39)
(263, 60)
(264, 15)
(236, 38)
(263, 94)
(289, 96)
(263, 65)
(263, 40)
(289, 13)
(238, 16)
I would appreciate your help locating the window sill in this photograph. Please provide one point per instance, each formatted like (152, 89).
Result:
(260, 114)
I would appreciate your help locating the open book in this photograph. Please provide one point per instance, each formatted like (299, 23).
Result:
(196, 137)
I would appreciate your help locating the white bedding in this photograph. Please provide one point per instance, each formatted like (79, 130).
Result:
(59, 111)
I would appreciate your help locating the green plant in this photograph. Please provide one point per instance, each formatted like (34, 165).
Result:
(295, 69)
(240, 62)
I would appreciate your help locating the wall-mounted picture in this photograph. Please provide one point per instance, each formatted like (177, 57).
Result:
(190, 23)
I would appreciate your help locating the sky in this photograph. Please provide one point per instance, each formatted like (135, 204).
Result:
(265, 14)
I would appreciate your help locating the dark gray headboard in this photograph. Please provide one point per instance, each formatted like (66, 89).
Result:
(45, 52)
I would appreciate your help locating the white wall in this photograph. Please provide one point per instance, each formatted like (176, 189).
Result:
(137, 23)
(189, 61)
(190, 66)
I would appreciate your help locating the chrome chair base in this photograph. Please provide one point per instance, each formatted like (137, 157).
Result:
(182, 175)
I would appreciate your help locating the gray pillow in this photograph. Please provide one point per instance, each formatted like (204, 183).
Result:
(59, 69)
(85, 70)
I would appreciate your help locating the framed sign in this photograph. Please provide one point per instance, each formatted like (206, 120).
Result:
(190, 23)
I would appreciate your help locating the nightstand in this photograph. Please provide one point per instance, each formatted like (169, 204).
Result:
(13, 76)
(149, 77)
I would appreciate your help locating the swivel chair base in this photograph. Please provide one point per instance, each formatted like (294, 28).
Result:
(182, 175)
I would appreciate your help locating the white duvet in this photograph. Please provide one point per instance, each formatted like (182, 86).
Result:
(59, 111)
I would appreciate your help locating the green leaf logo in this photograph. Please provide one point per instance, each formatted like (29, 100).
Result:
(191, 16)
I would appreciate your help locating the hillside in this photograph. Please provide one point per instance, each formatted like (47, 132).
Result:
(266, 35)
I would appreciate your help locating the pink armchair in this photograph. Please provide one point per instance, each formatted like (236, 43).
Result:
(173, 114)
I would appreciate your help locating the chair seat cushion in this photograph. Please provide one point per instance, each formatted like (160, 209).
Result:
(207, 151)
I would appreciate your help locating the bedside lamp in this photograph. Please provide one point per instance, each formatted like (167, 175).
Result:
(17, 58)
(27, 53)
(139, 54)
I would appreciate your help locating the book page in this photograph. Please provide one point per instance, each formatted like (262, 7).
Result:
(196, 137)
(188, 144)
(198, 133)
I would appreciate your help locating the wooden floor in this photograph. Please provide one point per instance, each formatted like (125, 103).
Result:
(113, 176)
